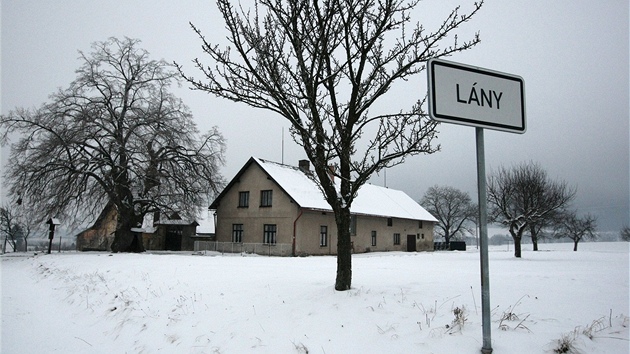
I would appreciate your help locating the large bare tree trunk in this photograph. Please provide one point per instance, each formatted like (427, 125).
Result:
(124, 239)
(344, 251)
(517, 247)
(534, 237)
(127, 241)
(517, 236)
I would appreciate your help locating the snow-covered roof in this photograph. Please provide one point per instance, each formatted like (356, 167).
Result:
(370, 200)
(54, 221)
(175, 222)
(149, 224)
(297, 184)
(206, 223)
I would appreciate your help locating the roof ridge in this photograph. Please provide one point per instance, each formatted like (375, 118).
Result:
(371, 199)
(295, 168)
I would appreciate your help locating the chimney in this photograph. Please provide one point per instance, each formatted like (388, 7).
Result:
(304, 165)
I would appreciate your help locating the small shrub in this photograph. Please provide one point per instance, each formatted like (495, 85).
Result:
(507, 316)
(510, 315)
(566, 344)
(595, 326)
(458, 322)
(300, 348)
(460, 317)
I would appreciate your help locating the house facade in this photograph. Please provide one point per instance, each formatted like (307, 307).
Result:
(275, 204)
(100, 236)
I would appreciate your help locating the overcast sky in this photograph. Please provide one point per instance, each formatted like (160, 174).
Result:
(573, 56)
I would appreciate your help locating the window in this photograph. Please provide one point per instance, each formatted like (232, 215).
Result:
(397, 239)
(420, 224)
(323, 236)
(390, 221)
(174, 231)
(373, 238)
(265, 198)
(353, 225)
(269, 234)
(243, 199)
(237, 233)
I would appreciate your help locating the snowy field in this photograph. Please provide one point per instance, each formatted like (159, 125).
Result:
(400, 302)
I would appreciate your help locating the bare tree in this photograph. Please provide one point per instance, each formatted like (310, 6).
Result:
(453, 209)
(522, 196)
(323, 66)
(544, 227)
(624, 234)
(115, 135)
(14, 228)
(578, 228)
(8, 229)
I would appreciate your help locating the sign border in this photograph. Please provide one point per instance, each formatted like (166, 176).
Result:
(468, 121)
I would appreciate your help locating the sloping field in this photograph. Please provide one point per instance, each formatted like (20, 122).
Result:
(400, 302)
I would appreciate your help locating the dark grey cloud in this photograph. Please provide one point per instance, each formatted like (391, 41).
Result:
(573, 56)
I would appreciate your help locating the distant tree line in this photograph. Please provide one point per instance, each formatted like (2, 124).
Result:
(522, 198)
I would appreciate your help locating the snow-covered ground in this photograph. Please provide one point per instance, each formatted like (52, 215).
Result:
(400, 302)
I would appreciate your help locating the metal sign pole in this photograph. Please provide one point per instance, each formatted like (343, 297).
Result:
(454, 97)
(483, 240)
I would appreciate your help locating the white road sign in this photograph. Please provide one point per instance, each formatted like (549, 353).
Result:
(469, 95)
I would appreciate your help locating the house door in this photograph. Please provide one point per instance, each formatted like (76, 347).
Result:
(173, 241)
(411, 243)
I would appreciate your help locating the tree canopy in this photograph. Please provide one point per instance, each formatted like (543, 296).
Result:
(452, 207)
(524, 195)
(323, 66)
(577, 228)
(116, 134)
